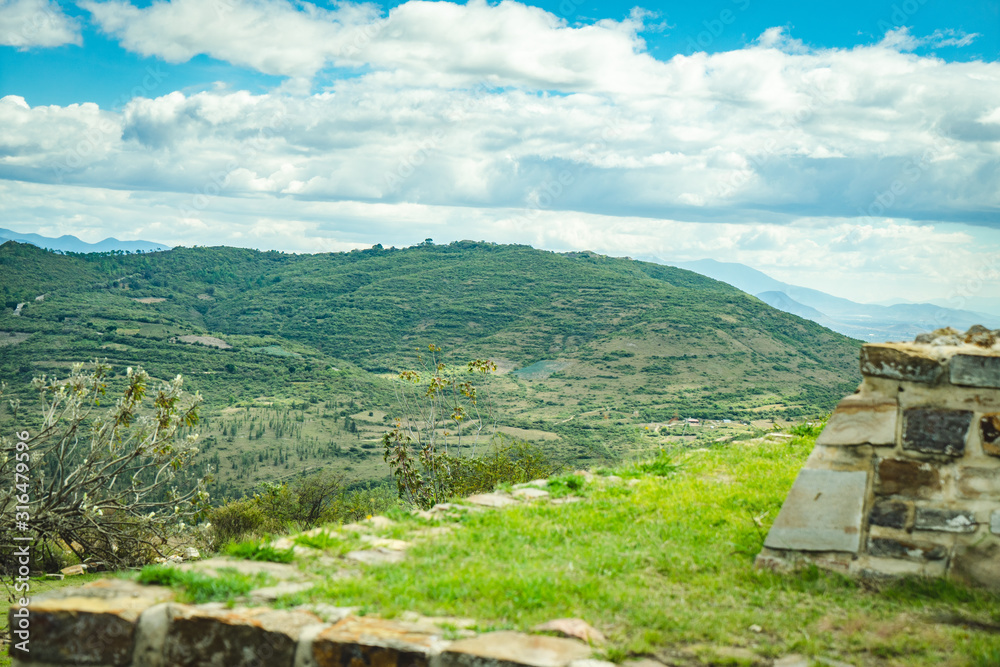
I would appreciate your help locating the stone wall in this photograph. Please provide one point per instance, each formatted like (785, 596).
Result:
(905, 478)
(117, 623)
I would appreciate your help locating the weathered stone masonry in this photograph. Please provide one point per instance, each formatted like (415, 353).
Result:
(117, 623)
(905, 478)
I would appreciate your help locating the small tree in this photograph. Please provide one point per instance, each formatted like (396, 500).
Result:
(442, 411)
(103, 482)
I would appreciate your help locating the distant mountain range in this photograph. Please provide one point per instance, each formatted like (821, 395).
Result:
(864, 321)
(69, 243)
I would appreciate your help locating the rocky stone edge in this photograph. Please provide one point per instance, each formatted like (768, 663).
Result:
(905, 478)
(118, 623)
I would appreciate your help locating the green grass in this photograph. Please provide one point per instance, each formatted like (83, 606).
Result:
(667, 564)
(664, 464)
(198, 587)
(256, 550)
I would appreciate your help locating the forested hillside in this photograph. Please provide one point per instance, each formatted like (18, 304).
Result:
(296, 354)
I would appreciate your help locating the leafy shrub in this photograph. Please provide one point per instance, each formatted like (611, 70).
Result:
(238, 519)
(106, 483)
(808, 429)
(664, 465)
(504, 463)
(308, 502)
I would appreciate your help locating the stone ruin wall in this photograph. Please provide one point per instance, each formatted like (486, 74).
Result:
(905, 478)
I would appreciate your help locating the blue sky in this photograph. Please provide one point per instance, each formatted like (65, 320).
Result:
(853, 146)
(100, 70)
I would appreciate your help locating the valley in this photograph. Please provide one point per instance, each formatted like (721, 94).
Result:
(296, 356)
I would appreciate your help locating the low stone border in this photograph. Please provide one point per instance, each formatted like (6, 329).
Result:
(118, 623)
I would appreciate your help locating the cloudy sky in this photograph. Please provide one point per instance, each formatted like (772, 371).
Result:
(853, 146)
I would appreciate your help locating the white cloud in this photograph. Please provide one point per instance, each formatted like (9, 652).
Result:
(868, 262)
(463, 115)
(36, 23)
(272, 36)
(433, 43)
(868, 132)
(778, 38)
(902, 40)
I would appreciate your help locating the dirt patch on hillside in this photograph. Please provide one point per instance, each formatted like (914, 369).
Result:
(210, 341)
(12, 338)
(504, 366)
(206, 297)
(528, 433)
(150, 299)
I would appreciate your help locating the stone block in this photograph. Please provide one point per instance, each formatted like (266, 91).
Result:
(837, 457)
(933, 431)
(574, 628)
(823, 512)
(890, 548)
(92, 624)
(373, 642)
(376, 556)
(491, 500)
(877, 569)
(530, 493)
(900, 361)
(861, 419)
(976, 483)
(890, 514)
(513, 649)
(978, 564)
(989, 433)
(902, 477)
(211, 636)
(974, 370)
(947, 521)
(150, 636)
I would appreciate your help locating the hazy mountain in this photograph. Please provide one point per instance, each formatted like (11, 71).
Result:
(782, 301)
(69, 243)
(865, 321)
(980, 304)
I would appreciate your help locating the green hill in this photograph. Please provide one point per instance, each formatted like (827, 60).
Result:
(295, 354)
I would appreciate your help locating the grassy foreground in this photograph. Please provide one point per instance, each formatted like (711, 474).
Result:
(661, 561)
(664, 567)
